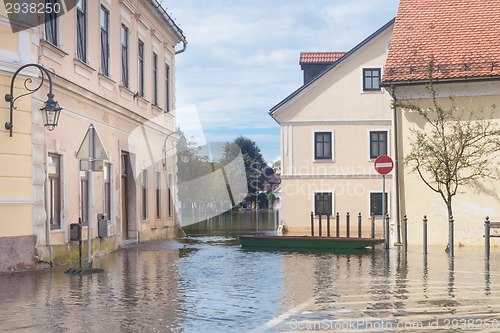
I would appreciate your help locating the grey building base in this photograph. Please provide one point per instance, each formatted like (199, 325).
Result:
(17, 253)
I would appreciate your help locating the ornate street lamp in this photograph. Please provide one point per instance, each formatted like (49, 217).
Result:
(50, 111)
(184, 155)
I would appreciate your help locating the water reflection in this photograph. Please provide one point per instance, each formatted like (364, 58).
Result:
(207, 283)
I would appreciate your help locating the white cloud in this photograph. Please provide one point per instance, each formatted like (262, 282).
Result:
(242, 56)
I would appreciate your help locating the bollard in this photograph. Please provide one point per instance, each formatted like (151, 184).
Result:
(337, 224)
(386, 231)
(319, 225)
(347, 222)
(373, 225)
(450, 243)
(425, 234)
(328, 225)
(359, 225)
(312, 224)
(405, 233)
(487, 238)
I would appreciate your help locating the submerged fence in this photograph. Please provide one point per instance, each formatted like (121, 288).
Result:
(328, 219)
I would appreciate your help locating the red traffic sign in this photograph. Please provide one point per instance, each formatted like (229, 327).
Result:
(384, 164)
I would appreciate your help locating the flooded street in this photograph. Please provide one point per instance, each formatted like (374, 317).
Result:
(205, 282)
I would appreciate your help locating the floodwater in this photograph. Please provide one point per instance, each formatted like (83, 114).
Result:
(207, 283)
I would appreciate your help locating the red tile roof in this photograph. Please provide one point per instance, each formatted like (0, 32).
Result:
(462, 35)
(320, 57)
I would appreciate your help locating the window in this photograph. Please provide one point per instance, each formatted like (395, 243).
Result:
(140, 68)
(81, 30)
(84, 197)
(170, 201)
(124, 37)
(167, 88)
(54, 188)
(158, 194)
(378, 144)
(155, 79)
(107, 190)
(144, 194)
(322, 145)
(371, 79)
(51, 27)
(323, 203)
(104, 41)
(376, 203)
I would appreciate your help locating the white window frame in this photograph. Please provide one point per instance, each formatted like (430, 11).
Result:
(369, 141)
(87, 60)
(314, 201)
(322, 160)
(387, 209)
(381, 91)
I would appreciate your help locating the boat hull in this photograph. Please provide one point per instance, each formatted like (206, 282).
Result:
(308, 242)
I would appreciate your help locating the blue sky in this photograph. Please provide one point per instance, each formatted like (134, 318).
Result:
(242, 56)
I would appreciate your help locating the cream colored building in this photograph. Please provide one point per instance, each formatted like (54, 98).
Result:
(466, 75)
(332, 130)
(113, 65)
(17, 242)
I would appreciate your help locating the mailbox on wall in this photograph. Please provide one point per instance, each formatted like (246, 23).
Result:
(102, 222)
(75, 232)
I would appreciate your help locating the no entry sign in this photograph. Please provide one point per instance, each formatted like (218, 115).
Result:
(384, 164)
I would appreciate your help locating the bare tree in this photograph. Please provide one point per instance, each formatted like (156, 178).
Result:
(456, 148)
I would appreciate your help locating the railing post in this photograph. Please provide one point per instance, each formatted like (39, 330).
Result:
(328, 225)
(347, 222)
(450, 243)
(312, 224)
(373, 225)
(337, 231)
(425, 234)
(405, 233)
(487, 238)
(319, 225)
(386, 231)
(359, 225)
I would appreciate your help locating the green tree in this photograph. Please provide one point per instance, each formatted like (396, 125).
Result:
(252, 158)
(455, 149)
(277, 165)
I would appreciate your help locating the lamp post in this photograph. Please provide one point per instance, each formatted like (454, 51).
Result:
(185, 155)
(50, 111)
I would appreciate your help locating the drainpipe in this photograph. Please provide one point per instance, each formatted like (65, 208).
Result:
(174, 26)
(396, 161)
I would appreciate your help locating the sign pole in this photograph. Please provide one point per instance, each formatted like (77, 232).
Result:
(90, 200)
(383, 165)
(383, 214)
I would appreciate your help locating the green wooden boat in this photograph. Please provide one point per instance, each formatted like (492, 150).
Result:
(309, 242)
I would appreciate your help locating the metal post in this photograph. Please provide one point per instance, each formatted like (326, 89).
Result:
(487, 238)
(373, 225)
(387, 231)
(425, 234)
(450, 243)
(319, 225)
(337, 217)
(405, 233)
(328, 225)
(347, 222)
(359, 225)
(90, 192)
(80, 241)
(383, 205)
(312, 224)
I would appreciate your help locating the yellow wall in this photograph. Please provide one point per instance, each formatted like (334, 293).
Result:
(472, 203)
(15, 164)
(336, 102)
